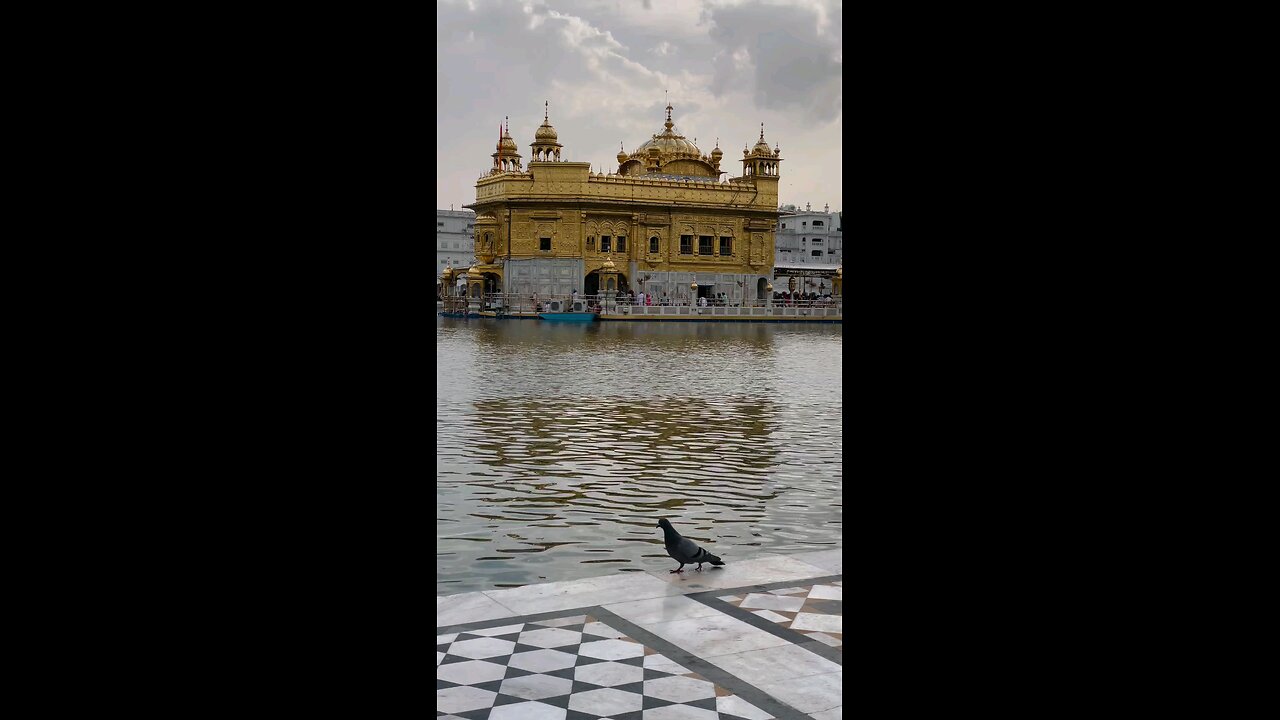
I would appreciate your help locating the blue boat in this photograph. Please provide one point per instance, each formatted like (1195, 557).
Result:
(568, 316)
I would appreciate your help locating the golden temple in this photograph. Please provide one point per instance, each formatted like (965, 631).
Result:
(664, 222)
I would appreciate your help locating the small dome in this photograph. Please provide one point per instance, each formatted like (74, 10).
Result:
(717, 152)
(506, 145)
(545, 133)
(608, 265)
(447, 273)
(762, 147)
(622, 154)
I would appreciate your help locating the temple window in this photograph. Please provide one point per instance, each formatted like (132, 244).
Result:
(653, 245)
(817, 223)
(591, 242)
(604, 243)
(544, 244)
(622, 243)
(726, 245)
(817, 253)
(705, 245)
(686, 244)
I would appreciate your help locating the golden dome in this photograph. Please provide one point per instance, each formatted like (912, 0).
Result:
(622, 154)
(669, 141)
(608, 264)
(717, 152)
(474, 271)
(447, 273)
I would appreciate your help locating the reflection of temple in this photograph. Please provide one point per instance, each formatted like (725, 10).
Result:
(552, 438)
(664, 218)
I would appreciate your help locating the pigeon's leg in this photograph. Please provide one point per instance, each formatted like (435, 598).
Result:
(699, 567)
(679, 569)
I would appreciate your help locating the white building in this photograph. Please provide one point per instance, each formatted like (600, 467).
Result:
(807, 241)
(455, 240)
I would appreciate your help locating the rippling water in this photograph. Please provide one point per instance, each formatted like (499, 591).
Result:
(559, 445)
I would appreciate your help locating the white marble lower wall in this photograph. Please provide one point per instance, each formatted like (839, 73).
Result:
(676, 284)
(543, 276)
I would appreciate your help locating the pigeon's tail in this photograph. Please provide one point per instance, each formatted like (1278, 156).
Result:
(713, 559)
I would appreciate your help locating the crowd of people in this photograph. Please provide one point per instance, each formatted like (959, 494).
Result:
(810, 298)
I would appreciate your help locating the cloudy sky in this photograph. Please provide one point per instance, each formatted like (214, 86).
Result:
(727, 65)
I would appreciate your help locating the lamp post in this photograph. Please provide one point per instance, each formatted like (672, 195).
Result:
(768, 295)
(608, 280)
(693, 293)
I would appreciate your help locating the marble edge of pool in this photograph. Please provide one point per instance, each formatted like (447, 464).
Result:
(603, 589)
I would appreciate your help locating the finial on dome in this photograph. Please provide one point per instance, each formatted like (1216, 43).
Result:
(546, 111)
(761, 131)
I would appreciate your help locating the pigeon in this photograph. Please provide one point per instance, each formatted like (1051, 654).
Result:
(684, 550)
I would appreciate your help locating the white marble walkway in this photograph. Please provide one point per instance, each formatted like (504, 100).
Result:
(794, 674)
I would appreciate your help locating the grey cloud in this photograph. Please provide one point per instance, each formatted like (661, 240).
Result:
(778, 53)
(595, 60)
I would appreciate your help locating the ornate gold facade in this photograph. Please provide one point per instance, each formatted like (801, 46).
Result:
(665, 218)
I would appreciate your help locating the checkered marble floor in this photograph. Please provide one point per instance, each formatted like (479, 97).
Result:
(573, 668)
(812, 610)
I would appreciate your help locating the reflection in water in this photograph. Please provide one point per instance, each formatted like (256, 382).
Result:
(559, 446)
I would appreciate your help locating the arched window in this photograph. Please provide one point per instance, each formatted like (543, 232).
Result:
(653, 245)
(591, 242)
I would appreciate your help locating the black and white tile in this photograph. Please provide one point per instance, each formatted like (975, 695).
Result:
(578, 667)
(815, 611)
